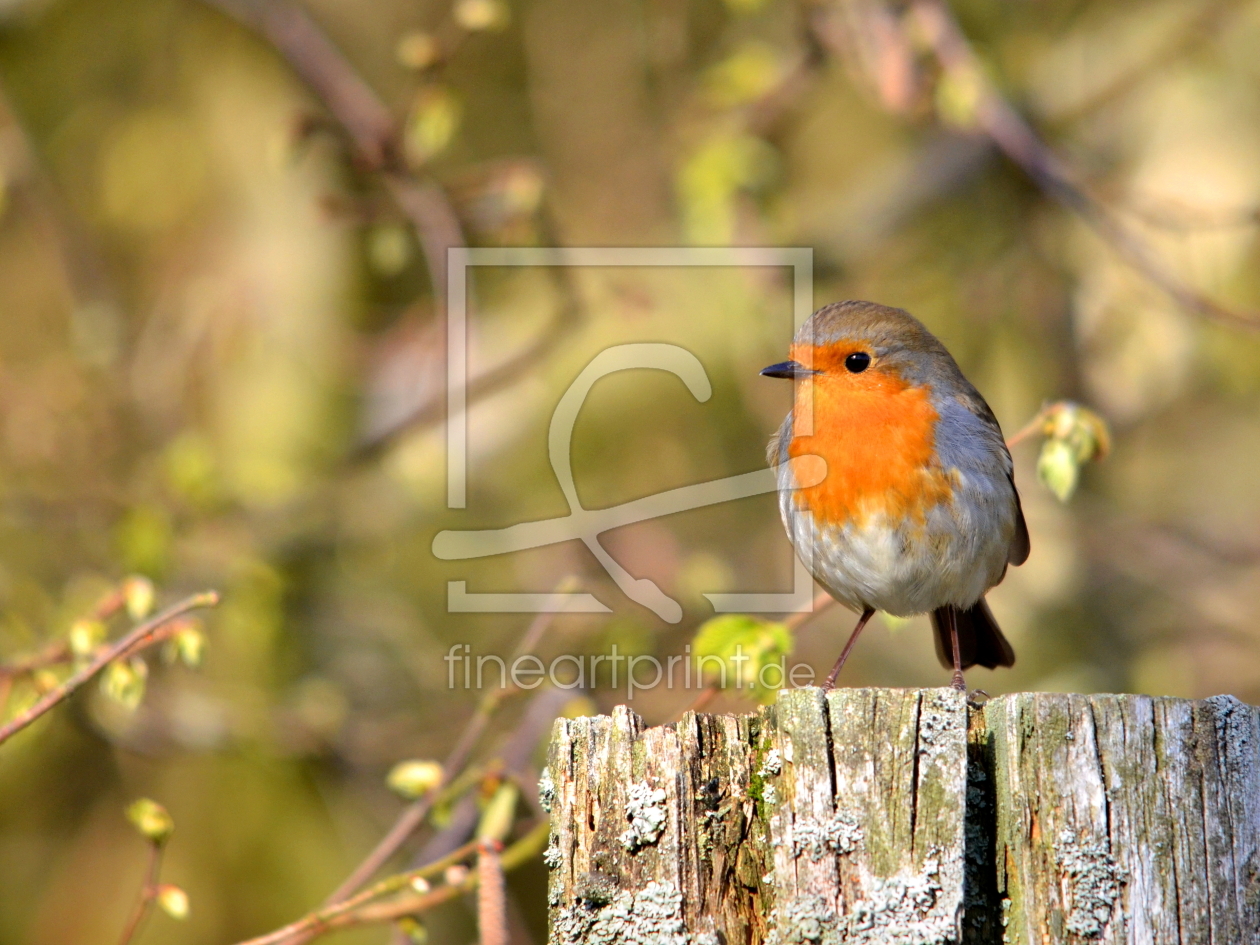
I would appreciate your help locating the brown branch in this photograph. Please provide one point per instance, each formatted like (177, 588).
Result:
(374, 137)
(1003, 125)
(414, 815)
(367, 122)
(518, 853)
(51, 655)
(1032, 426)
(148, 892)
(822, 601)
(1182, 38)
(58, 652)
(491, 895)
(322, 920)
(1017, 139)
(362, 910)
(145, 635)
(351, 101)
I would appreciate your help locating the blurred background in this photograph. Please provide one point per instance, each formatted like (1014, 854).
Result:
(222, 365)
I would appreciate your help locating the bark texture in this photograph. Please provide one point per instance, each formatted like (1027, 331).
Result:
(902, 816)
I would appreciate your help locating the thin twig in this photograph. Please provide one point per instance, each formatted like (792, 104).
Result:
(1032, 426)
(58, 651)
(148, 892)
(51, 655)
(323, 919)
(1181, 38)
(142, 636)
(518, 853)
(414, 815)
(361, 910)
(822, 601)
(491, 895)
(1016, 138)
(373, 135)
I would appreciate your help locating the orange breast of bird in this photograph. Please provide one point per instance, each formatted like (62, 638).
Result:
(877, 435)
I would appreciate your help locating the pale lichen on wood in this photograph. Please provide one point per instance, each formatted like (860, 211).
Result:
(898, 816)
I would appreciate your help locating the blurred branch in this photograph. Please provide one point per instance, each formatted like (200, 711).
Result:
(142, 637)
(148, 893)
(415, 898)
(51, 655)
(58, 651)
(520, 852)
(1198, 27)
(320, 921)
(514, 757)
(1016, 138)
(491, 895)
(83, 269)
(413, 816)
(1176, 216)
(372, 131)
(432, 410)
(989, 113)
(374, 136)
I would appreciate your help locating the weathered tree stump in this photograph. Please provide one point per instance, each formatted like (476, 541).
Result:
(902, 816)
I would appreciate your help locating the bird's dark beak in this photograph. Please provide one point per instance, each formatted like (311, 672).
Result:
(787, 369)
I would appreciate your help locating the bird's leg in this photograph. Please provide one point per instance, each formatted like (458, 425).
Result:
(958, 683)
(844, 655)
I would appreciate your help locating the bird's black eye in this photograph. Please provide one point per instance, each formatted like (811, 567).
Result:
(857, 362)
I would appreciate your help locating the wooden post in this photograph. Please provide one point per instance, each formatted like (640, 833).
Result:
(902, 817)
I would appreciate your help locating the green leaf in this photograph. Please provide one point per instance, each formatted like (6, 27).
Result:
(151, 819)
(958, 95)
(1058, 469)
(1083, 430)
(173, 901)
(736, 651)
(499, 814)
(188, 646)
(412, 779)
(435, 117)
(124, 681)
(85, 636)
(744, 76)
(140, 595)
(1075, 435)
(411, 927)
(713, 175)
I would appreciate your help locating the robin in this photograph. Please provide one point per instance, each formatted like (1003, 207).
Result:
(918, 512)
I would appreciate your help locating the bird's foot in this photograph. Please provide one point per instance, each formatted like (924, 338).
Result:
(977, 703)
(959, 683)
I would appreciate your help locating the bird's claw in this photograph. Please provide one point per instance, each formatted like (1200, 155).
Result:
(976, 703)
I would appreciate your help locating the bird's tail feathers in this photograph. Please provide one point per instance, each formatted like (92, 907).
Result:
(980, 640)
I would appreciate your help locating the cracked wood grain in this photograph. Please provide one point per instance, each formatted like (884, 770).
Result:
(901, 816)
(1127, 818)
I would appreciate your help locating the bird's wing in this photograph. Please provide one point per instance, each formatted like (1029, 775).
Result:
(1017, 554)
(1020, 545)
